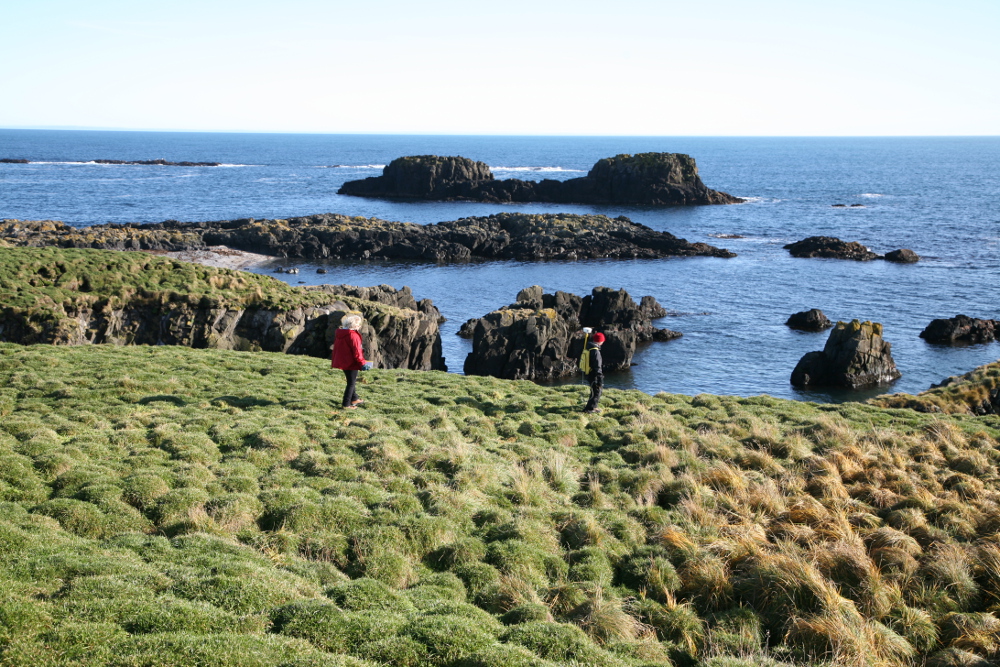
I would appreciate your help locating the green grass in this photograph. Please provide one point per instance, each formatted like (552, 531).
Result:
(57, 279)
(169, 506)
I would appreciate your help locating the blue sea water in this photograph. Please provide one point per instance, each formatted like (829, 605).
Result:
(936, 196)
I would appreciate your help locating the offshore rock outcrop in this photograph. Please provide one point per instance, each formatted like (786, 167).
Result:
(330, 236)
(649, 179)
(809, 320)
(960, 329)
(855, 356)
(539, 336)
(833, 248)
(830, 247)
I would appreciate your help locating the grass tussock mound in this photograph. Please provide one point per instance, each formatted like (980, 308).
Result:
(976, 392)
(166, 506)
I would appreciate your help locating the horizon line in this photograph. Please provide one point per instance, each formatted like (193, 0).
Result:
(75, 128)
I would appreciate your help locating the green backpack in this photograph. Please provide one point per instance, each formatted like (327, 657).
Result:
(585, 357)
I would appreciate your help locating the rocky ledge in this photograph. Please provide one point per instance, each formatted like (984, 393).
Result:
(855, 356)
(539, 336)
(330, 236)
(79, 297)
(649, 179)
(960, 329)
(834, 248)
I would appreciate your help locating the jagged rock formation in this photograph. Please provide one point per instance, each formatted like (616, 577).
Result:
(539, 336)
(656, 179)
(960, 329)
(809, 320)
(855, 356)
(502, 236)
(834, 248)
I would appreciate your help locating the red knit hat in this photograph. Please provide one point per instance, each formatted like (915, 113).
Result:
(598, 337)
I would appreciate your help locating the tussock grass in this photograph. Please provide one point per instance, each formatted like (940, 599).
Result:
(164, 506)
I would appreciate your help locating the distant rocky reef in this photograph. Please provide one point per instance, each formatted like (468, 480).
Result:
(645, 179)
(516, 236)
(539, 336)
(833, 248)
(159, 162)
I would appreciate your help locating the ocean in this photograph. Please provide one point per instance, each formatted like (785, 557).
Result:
(936, 196)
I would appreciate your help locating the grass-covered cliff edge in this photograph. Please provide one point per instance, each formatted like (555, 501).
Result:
(169, 506)
(81, 296)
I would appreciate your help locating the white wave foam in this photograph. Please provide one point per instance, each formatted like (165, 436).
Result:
(352, 166)
(871, 195)
(546, 169)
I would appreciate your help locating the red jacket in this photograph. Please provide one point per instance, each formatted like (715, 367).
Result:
(347, 353)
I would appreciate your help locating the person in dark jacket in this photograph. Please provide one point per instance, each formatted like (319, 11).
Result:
(349, 357)
(596, 375)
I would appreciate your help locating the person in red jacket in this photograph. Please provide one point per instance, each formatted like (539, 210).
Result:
(349, 357)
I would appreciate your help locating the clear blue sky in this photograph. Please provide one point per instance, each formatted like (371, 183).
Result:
(618, 67)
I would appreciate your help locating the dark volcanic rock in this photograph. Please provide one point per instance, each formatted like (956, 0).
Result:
(828, 246)
(902, 256)
(539, 337)
(960, 329)
(855, 356)
(502, 236)
(10, 160)
(809, 320)
(654, 179)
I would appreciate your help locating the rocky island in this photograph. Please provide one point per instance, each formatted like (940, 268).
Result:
(645, 179)
(516, 236)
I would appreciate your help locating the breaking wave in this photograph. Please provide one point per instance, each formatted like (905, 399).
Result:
(352, 166)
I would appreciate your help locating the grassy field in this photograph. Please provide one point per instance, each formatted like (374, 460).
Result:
(168, 506)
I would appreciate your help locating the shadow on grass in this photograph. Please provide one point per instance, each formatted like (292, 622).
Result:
(164, 398)
(243, 402)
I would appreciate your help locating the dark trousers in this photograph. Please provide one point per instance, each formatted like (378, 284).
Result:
(350, 394)
(596, 387)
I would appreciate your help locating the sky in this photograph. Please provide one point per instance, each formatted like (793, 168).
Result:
(522, 67)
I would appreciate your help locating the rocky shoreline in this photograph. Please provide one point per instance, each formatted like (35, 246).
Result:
(504, 236)
(650, 179)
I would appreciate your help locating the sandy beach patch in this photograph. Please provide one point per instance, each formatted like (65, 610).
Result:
(218, 256)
